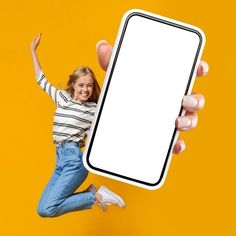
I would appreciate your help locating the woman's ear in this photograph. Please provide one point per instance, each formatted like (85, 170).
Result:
(73, 85)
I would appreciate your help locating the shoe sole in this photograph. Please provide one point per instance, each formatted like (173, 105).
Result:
(121, 202)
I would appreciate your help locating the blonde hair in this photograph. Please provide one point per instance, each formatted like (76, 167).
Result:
(81, 71)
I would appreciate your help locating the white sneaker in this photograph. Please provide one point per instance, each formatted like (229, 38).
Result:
(110, 198)
(93, 189)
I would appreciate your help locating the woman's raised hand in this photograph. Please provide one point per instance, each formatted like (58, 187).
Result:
(35, 42)
(33, 46)
(191, 103)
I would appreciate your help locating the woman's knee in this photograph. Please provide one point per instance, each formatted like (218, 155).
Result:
(51, 211)
(41, 212)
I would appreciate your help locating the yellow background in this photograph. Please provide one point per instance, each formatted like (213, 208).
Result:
(198, 197)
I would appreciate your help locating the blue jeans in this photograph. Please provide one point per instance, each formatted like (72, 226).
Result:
(58, 197)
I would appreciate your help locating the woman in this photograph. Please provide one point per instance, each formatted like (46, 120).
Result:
(72, 120)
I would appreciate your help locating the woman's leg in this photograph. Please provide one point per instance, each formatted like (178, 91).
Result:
(61, 198)
(47, 190)
(43, 200)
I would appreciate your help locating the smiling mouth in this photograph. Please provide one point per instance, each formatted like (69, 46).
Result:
(84, 94)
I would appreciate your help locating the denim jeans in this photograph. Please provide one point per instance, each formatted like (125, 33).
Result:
(58, 197)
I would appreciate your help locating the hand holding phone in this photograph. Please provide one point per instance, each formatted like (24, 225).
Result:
(154, 58)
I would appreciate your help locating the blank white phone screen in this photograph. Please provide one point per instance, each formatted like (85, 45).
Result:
(148, 80)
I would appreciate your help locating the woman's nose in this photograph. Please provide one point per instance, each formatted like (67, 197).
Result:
(85, 88)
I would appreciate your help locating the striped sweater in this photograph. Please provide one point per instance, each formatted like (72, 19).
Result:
(72, 119)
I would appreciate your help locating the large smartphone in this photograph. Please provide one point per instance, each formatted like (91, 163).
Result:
(152, 66)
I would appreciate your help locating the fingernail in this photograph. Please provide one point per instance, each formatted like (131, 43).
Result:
(100, 43)
(201, 103)
(189, 101)
(205, 67)
(183, 122)
(182, 145)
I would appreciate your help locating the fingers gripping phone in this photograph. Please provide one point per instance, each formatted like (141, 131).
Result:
(152, 66)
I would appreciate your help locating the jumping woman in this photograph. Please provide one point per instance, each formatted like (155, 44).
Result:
(75, 109)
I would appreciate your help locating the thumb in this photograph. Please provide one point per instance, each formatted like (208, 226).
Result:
(104, 50)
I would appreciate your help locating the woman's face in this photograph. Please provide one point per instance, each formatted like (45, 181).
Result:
(83, 88)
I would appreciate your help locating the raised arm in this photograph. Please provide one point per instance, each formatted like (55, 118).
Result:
(41, 78)
(33, 47)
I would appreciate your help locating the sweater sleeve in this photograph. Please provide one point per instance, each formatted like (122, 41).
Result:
(48, 87)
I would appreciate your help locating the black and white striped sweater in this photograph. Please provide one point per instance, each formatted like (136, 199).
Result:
(72, 119)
